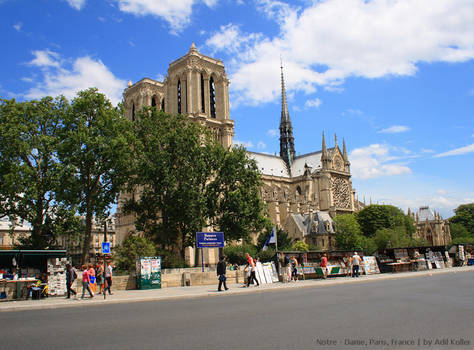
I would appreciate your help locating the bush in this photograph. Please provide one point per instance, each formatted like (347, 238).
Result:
(267, 255)
(132, 248)
(236, 253)
(301, 246)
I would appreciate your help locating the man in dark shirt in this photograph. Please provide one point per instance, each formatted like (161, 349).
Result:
(221, 267)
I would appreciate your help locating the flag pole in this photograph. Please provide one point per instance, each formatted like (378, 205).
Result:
(276, 240)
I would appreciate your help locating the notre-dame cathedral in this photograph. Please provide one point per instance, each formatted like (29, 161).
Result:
(303, 193)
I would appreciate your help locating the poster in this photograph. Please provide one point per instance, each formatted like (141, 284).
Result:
(370, 265)
(149, 272)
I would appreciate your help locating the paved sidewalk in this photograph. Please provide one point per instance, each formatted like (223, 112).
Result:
(128, 296)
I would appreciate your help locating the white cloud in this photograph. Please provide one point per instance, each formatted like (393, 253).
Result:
(313, 103)
(427, 150)
(45, 59)
(18, 26)
(395, 129)
(176, 12)
(61, 78)
(457, 151)
(76, 4)
(272, 132)
(246, 144)
(261, 145)
(328, 41)
(375, 161)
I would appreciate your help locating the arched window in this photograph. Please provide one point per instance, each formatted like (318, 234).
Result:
(153, 101)
(163, 104)
(133, 112)
(179, 96)
(298, 189)
(203, 108)
(212, 97)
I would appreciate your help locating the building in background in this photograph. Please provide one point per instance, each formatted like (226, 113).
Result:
(431, 227)
(303, 192)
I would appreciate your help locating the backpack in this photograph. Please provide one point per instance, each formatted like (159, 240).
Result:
(287, 260)
(74, 274)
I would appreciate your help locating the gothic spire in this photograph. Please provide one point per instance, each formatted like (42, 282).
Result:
(287, 146)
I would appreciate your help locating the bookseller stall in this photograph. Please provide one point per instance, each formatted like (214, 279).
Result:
(413, 258)
(24, 271)
(339, 262)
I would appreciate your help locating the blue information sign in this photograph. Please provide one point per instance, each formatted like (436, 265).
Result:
(105, 247)
(210, 239)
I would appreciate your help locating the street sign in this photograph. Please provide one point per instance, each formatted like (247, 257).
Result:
(105, 247)
(210, 239)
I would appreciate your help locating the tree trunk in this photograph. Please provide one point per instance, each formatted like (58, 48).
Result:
(87, 237)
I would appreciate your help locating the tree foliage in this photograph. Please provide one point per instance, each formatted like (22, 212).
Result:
(235, 253)
(31, 174)
(283, 239)
(465, 217)
(348, 232)
(300, 246)
(185, 180)
(95, 152)
(132, 248)
(375, 217)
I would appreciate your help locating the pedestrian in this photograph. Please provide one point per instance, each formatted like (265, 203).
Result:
(86, 281)
(324, 265)
(355, 264)
(108, 277)
(250, 270)
(288, 268)
(71, 276)
(99, 277)
(221, 267)
(92, 284)
(294, 269)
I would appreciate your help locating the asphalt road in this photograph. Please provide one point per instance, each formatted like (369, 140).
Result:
(396, 314)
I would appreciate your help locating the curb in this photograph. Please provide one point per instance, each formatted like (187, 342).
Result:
(235, 290)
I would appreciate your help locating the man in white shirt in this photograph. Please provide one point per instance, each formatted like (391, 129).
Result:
(355, 264)
(108, 277)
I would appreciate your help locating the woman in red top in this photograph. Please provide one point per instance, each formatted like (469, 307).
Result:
(85, 282)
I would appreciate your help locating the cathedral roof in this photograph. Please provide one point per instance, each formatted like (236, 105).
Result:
(275, 165)
(425, 213)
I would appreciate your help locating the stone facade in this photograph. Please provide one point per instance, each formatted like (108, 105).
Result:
(431, 227)
(317, 182)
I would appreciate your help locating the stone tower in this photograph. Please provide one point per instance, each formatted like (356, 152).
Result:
(196, 86)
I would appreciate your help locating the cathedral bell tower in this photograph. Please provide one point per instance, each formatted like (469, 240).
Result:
(287, 142)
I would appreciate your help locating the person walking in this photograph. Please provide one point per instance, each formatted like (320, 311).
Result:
(108, 278)
(92, 284)
(71, 276)
(251, 269)
(324, 265)
(355, 264)
(99, 277)
(86, 281)
(221, 267)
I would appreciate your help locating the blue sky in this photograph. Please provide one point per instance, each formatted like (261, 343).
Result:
(395, 79)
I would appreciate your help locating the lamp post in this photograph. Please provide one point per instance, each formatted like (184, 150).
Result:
(105, 260)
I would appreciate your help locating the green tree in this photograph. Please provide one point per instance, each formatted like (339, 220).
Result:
(31, 175)
(283, 239)
(394, 237)
(185, 181)
(174, 158)
(96, 154)
(464, 216)
(233, 200)
(460, 234)
(375, 217)
(301, 246)
(132, 248)
(348, 233)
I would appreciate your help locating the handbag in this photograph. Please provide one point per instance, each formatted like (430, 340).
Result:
(222, 278)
